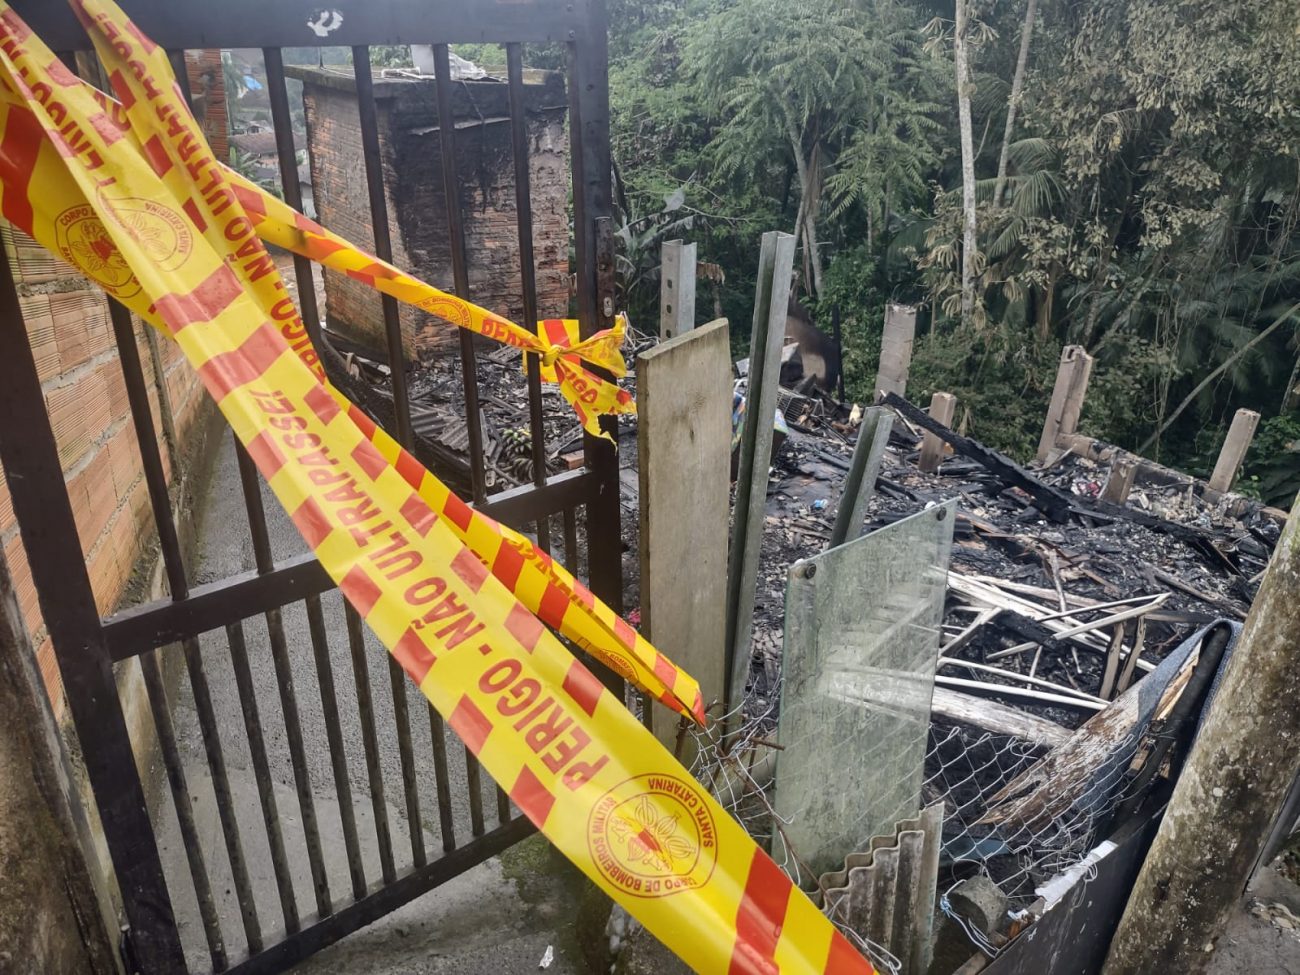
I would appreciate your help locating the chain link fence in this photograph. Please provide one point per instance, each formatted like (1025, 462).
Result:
(1002, 818)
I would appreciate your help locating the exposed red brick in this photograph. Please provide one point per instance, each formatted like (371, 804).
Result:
(417, 208)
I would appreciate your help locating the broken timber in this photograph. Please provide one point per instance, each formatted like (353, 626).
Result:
(684, 400)
(1059, 506)
(997, 718)
(1053, 502)
(772, 296)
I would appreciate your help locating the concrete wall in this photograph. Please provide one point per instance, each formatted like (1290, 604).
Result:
(77, 359)
(411, 155)
(52, 917)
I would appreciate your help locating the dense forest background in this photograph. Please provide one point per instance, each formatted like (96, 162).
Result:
(1121, 174)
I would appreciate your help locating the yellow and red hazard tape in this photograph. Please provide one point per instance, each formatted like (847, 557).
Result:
(140, 203)
(562, 352)
(542, 584)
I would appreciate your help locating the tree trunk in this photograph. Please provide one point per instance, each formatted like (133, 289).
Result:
(961, 58)
(1292, 395)
(814, 194)
(1229, 793)
(1045, 306)
(1013, 103)
(810, 193)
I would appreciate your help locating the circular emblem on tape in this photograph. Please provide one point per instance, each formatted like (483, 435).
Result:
(85, 244)
(614, 661)
(448, 309)
(158, 230)
(653, 836)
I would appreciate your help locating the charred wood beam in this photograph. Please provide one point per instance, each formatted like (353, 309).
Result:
(1057, 505)
(1028, 629)
(1053, 502)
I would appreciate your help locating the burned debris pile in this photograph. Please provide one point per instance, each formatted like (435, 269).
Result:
(1074, 626)
(1043, 573)
(439, 420)
(1059, 605)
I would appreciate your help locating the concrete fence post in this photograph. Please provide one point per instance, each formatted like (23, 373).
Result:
(1067, 399)
(942, 408)
(1120, 482)
(896, 349)
(676, 289)
(767, 336)
(1233, 452)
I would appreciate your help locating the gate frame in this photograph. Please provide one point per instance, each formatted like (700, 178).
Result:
(86, 647)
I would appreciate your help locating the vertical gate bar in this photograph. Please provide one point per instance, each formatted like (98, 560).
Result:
(571, 540)
(410, 786)
(282, 125)
(30, 452)
(221, 789)
(468, 363)
(459, 266)
(156, 482)
(474, 783)
(262, 775)
(171, 756)
(441, 778)
(177, 59)
(248, 479)
(334, 735)
(527, 270)
(503, 806)
(155, 478)
(369, 121)
(593, 245)
(368, 116)
(446, 822)
(374, 770)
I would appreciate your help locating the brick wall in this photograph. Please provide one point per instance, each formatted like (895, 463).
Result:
(207, 78)
(81, 375)
(411, 157)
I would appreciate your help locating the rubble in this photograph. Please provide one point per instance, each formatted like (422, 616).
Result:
(439, 421)
(1059, 601)
(1042, 540)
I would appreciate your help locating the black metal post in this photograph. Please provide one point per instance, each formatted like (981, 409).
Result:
(30, 457)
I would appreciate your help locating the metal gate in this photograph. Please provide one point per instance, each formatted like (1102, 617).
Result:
(209, 621)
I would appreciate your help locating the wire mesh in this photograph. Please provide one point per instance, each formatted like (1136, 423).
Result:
(1017, 838)
(734, 758)
(988, 828)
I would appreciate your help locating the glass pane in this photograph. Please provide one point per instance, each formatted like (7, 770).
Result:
(861, 645)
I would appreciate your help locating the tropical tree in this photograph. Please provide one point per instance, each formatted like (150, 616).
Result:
(800, 83)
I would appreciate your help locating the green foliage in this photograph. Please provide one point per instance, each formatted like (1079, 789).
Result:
(1002, 385)
(391, 56)
(853, 285)
(781, 75)
(1151, 207)
(1272, 468)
